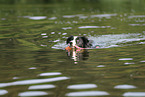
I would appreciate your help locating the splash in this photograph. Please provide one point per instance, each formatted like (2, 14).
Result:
(60, 45)
(111, 40)
(117, 40)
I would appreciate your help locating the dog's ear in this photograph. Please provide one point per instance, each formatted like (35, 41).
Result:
(87, 43)
(69, 39)
(85, 39)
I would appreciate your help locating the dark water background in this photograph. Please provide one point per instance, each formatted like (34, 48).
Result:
(33, 61)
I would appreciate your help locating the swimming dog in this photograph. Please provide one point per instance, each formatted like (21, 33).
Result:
(78, 42)
(77, 46)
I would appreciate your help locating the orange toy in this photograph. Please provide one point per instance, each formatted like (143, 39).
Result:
(68, 48)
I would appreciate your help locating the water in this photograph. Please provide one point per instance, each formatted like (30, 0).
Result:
(33, 60)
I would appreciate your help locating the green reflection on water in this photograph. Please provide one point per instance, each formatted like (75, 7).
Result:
(26, 40)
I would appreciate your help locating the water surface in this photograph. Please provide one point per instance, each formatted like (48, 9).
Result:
(33, 61)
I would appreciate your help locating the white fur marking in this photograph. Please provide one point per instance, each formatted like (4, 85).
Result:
(74, 41)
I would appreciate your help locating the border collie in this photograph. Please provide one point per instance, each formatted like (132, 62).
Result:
(78, 42)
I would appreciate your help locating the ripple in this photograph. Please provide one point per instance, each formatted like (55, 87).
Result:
(103, 15)
(3, 18)
(56, 40)
(3, 92)
(5, 84)
(47, 86)
(64, 33)
(82, 86)
(136, 24)
(128, 63)
(72, 16)
(83, 17)
(69, 16)
(50, 74)
(33, 81)
(65, 28)
(52, 18)
(137, 16)
(59, 33)
(52, 32)
(44, 34)
(82, 27)
(37, 17)
(125, 87)
(142, 43)
(134, 94)
(32, 68)
(126, 59)
(43, 45)
(100, 66)
(33, 93)
(16, 77)
(88, 93)
(142, 61)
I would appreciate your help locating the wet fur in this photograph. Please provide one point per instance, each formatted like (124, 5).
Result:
(80, 41)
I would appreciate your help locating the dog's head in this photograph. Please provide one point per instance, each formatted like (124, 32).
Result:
(80, 41)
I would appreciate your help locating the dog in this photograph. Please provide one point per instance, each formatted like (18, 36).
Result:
(78, 42)
(77, 47)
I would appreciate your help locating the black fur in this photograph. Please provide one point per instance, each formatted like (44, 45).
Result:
(69, 39)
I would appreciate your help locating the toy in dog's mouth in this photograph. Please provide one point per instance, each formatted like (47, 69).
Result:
(78, 42)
